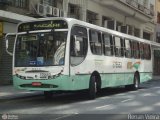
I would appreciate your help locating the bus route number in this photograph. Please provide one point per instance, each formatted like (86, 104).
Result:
(44, 75)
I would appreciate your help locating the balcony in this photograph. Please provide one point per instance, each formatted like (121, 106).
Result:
(129, 8)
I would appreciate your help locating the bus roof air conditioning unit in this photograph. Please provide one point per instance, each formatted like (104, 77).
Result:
(49, 10)
(55, 12)
(41, 10)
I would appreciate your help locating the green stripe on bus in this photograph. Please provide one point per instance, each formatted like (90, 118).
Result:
(79, 82)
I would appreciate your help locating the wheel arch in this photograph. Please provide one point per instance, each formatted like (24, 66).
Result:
(98, 78)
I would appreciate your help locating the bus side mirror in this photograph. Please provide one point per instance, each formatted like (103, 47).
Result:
(8, 37)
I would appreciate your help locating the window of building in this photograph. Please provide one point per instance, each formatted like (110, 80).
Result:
(92, 17)
(79, 45)
(146, 35)
(53, 3)
(152, 9)
(136, 32)
(95, 42)
(19, 3)
(104, 21)
(145, 3)
(107, 44)
(73, 11)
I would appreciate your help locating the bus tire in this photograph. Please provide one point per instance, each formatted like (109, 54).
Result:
(48, 94)
(136, 82)
(135, 85)
(92, 88)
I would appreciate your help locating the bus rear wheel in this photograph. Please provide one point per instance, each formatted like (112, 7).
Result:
(48, 94)
(135, 85)
(92, 88)
(136, 82)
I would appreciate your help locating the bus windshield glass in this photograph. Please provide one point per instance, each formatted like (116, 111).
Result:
(40, 49)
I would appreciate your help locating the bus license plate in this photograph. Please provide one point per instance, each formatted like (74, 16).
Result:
(36, 83)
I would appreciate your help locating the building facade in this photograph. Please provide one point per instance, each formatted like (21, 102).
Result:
(11, 13)
(157, 29)
(134, 17)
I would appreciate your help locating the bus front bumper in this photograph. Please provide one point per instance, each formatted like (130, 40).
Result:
(61, 83)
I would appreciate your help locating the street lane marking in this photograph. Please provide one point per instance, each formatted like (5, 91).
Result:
(134, 91)
(149, 95)
(63, 117)
(126, 100)
(103, 98)
(100, 107)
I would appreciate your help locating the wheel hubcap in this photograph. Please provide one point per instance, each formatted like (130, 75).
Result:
(136, 82)
(95, 87)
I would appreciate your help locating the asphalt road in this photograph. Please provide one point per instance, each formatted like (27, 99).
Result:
(111, 103)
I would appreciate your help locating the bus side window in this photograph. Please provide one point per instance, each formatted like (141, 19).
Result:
(127, 49)
(136, 50)
(145, 51)
(95, 42)
(141, 51)
(132, 49)
(112, 41)
(149, 52)
(78, 45)
(117, 46)
(107, 44)
(122, 50)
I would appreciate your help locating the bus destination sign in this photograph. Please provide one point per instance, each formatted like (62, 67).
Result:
(42, 25)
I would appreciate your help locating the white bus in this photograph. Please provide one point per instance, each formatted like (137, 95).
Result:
(65, 54)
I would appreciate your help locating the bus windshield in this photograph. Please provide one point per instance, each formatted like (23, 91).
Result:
(40, 49)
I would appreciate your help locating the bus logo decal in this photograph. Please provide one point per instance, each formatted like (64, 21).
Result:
(135, 65)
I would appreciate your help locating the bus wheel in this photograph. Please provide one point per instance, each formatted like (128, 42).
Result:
(136, 82)
(48, 94)
(92, 88)
(135, 85)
